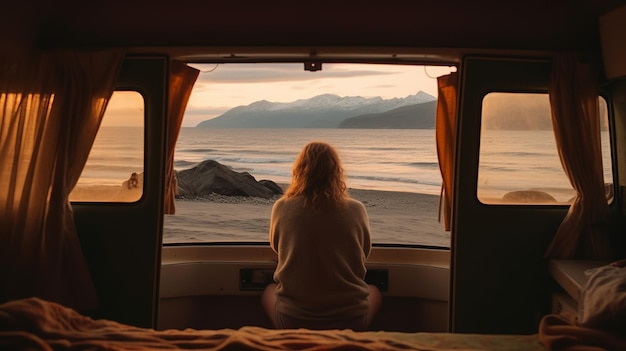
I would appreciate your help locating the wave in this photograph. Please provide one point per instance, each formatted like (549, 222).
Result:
(259, 160)
(499, 169)
(430, 165)
(384, 148)
(517, 154)
(266, 172)
(196, 151)
(422, 181)
(513, 168)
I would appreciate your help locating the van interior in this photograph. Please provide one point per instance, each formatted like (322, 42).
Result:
(511, 257)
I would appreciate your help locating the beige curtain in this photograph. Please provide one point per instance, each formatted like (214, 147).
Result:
(50, 110)
(575, 117)
(446, 140)
(182, 79)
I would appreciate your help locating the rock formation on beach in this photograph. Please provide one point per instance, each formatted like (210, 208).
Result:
(528, 196)
(211, 177)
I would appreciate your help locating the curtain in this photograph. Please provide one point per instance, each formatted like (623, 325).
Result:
(51, 106)
(575, 116)
(446, 140)
(182, 79)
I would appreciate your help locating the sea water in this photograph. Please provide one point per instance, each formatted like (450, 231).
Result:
(395, 160)
(373, 159)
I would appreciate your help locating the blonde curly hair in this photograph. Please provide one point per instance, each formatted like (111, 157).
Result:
(318, 175)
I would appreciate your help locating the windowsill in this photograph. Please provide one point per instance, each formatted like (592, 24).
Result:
(570, 274)
(198, 270)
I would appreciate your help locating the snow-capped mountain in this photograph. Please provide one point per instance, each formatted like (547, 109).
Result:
(322, 111)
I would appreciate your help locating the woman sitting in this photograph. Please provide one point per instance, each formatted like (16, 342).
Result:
(322, 238)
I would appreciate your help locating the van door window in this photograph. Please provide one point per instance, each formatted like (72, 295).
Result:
(519, 161)
(114, 169)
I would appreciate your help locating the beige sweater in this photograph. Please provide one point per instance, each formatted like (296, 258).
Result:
(321, 259)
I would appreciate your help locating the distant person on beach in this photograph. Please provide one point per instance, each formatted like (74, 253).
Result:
(133, 182)
(322, 238)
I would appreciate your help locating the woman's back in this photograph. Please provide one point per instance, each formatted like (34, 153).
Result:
(321, 255)
(322, 238)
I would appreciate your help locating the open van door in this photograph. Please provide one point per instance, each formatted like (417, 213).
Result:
(500, 282)
(122, 240)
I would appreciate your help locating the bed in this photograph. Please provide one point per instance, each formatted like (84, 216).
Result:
(35, 324)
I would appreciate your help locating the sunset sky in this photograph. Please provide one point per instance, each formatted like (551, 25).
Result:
(225, 86)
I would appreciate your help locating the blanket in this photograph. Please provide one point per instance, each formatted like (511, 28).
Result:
(603, 298)
(38, 325)
(562, 332)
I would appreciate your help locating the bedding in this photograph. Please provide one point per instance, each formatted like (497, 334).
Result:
(603, 298)
(563, 332)
(600, 323)
(35, 324)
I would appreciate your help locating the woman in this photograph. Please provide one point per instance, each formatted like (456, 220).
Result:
(322, 238)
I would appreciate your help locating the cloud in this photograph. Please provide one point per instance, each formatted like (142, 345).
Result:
(207, 111)
(240, 84)
(270, 73)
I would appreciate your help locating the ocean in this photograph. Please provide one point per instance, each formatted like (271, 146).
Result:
(374, 159)
(395, 160)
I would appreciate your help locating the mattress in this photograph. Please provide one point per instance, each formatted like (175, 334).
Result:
(35, 324)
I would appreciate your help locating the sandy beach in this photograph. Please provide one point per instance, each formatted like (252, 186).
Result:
(395, 217)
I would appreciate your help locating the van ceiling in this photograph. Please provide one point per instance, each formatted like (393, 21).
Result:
(486, 24)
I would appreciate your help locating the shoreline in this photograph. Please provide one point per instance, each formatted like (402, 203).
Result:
(395, 218)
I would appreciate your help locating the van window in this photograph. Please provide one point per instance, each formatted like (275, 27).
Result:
(114, 169)
(255, 119)
(519, 161)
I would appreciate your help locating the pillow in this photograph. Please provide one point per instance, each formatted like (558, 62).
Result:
(603, 298)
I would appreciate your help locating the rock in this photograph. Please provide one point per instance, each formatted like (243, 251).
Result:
(528, 196)
(275, 188)
(212, 177)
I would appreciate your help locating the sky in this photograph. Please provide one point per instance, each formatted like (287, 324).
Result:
(220, 87)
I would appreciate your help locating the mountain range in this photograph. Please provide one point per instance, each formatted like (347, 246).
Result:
(332, 111)
(499, 112)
